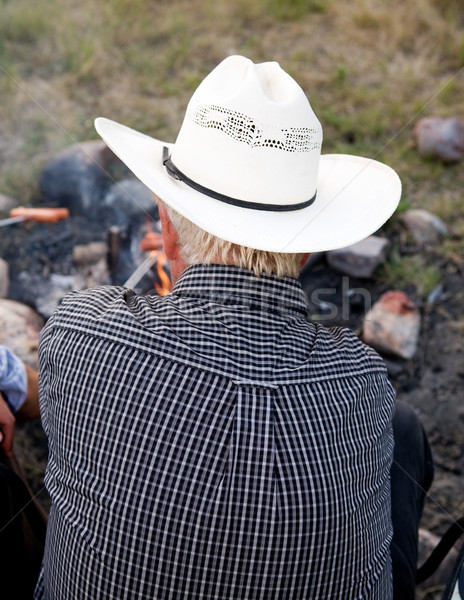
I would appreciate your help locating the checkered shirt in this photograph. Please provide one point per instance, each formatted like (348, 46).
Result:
(213, 444)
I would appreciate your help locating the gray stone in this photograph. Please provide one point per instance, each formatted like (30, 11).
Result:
(47, 303)
(435, 295)
(4, 278)
(92, 275)
(440, 138)
(92, 263)
(393, 325)
(51, 292)
(423, 225)
(78, 177)
(395, 367)
(7, 203)
(89, 254)
(130, 201)
(360, 259)
(20, 326)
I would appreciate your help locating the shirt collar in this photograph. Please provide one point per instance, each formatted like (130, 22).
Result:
(227, 284)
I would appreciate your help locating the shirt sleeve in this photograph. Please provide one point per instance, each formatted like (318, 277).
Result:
(13, 379)
(44, 347)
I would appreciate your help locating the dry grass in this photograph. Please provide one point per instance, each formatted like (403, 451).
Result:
(371, 68)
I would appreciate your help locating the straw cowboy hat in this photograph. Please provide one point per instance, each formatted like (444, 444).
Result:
(247, 168)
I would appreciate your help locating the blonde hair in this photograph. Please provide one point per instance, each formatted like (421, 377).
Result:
(200, 247)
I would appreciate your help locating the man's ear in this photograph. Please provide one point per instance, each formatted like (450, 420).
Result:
(170, 236)
(304, 259)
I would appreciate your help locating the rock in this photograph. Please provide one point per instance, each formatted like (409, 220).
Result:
(440, 138)
(392, 325)
(435, 295)
(92, 275)
(89, 254)
(395, 367)
(4, 279)
(77, 177)
(360, 259)
(50, 293)
(20, 326)
(7, 203)
(131, 201)
(92, 262)
(423, 226)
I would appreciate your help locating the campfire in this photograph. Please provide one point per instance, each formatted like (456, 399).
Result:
(51, 251)
(152, 243)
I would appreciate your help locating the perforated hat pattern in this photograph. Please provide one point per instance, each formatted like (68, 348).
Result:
(244, 128)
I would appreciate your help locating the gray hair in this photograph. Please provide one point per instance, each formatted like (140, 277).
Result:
(200, 247)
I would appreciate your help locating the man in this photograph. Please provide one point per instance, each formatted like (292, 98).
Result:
(18, 395)
(214, 443)
(22, 520)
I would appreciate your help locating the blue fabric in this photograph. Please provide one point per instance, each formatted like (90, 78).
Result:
(13, 379)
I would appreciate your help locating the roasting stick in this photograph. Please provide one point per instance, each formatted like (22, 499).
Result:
(153, 244)
(42, 215)
(142, 269)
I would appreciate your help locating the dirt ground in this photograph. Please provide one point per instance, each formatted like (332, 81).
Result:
(438, 397)
(439, 400)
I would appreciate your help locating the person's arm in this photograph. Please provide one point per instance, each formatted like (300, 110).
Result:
(18, 395)
(7, 423)
(30, 407)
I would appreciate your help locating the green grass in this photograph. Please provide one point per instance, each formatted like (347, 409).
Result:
(416, 272)
(23, 22)
(284, 10)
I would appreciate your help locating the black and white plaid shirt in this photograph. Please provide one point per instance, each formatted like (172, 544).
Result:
(213, 444)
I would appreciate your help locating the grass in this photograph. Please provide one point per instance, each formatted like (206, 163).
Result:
(22, 23)
(414, 272)
(371, 69)
(294, 9)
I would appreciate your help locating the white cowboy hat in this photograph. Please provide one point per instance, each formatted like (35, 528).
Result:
(247, 168)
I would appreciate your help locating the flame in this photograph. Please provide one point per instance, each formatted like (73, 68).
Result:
(153, 243)
(164, 287)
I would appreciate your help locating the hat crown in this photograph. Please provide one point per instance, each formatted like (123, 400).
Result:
(250, 133)
(239, 76)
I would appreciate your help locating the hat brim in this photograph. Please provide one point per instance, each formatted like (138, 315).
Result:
(355, 197)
